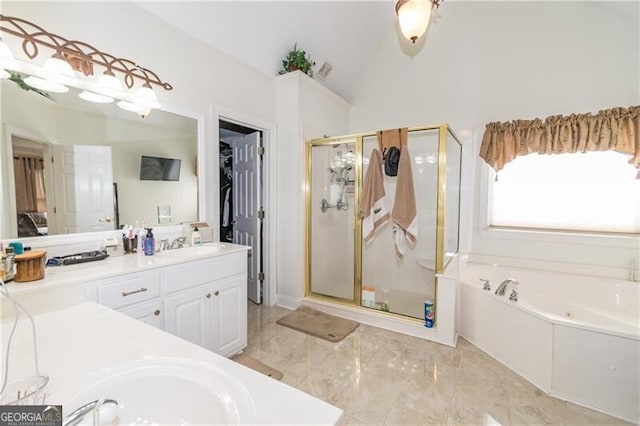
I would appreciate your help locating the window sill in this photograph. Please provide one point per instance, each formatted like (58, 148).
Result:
(560, 236)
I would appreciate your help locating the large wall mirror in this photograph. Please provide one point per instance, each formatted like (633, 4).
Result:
(71, 166)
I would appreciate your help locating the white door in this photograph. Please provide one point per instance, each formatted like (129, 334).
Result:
(83, 184)
(246, 203)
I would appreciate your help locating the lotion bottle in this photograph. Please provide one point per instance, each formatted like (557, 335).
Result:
(196, 239)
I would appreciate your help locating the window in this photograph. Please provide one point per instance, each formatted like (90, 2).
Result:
(595, 191)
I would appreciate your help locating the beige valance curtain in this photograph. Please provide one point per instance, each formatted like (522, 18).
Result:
(30, 192)
(616, 129)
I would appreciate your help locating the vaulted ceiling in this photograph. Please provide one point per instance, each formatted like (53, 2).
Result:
(260, 33)
(342, 33)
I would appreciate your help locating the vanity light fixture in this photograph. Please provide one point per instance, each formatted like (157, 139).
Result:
(142, 111)
(56, 74)
(7, 62)
(59, 71)
(94, 97)
(414, 16)
(46, 85)
(109, 85)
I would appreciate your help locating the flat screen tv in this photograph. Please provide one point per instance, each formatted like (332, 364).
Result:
(158, 168)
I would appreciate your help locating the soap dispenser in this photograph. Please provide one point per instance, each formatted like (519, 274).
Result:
(196, 238)
(149, 243)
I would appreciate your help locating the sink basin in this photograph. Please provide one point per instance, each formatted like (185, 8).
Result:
(192, 251)
(163, 392)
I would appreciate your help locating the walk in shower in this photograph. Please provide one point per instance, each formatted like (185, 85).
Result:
(341, 267)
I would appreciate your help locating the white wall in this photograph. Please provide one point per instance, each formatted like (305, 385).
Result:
(490, 61)
(139, 200)
(304, 110)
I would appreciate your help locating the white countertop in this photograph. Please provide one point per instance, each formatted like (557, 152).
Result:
(64, 285)
(78, 341)
(118, 265)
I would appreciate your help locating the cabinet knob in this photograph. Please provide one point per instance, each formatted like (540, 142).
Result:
(208, 295)
(156, 312)
(216, 293)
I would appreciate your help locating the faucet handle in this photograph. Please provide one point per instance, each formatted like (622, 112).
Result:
(486, 284)
(514, 295)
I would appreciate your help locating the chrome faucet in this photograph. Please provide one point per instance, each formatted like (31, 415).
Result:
(503, 286)
(79, 414)
(486, 284)
(178, 243)
(164, 245)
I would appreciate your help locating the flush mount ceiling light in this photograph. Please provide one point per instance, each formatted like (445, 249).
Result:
(73, 59)
(414, 16)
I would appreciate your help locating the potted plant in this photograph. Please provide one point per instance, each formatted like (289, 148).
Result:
(297, 60)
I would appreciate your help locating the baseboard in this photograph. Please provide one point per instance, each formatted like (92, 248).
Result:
(288, 302)
(376, 319)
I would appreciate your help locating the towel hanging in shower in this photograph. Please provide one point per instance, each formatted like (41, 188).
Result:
(403, 214)
(372, 201)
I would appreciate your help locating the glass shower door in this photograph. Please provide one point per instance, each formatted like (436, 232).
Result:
(331, 217)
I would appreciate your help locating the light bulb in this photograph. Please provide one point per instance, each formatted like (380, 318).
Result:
(6, 58)
(58, 70)
(141, 110)
(109, 85)
(46, 85)
(95, 97)
(145, 96)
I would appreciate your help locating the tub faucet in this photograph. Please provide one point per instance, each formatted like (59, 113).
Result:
(486, 285)
(503, 286)
(78, 415)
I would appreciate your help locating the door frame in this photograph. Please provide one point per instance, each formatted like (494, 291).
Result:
(269, 190)
(8, 225)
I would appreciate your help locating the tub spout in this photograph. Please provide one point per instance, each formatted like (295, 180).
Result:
(503, 286)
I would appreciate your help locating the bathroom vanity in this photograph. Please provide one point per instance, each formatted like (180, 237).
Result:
(202, 299)
(101, 350)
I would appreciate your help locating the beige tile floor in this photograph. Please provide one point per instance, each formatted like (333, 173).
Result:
(379, 377)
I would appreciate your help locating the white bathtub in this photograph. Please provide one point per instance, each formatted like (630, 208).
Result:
(575, 337)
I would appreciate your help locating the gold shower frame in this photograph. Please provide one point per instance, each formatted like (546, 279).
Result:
(444, 130)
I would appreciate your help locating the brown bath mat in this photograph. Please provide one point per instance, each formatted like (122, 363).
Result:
(319, 324)
(259, 366)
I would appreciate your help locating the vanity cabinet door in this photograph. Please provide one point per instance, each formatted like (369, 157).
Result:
(149, 313)
(228, 315)
(187, 313)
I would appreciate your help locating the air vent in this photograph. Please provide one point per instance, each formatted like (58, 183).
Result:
(324, 70)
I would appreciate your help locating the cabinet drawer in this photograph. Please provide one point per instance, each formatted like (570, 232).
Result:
(127, 290)
(192, 274)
